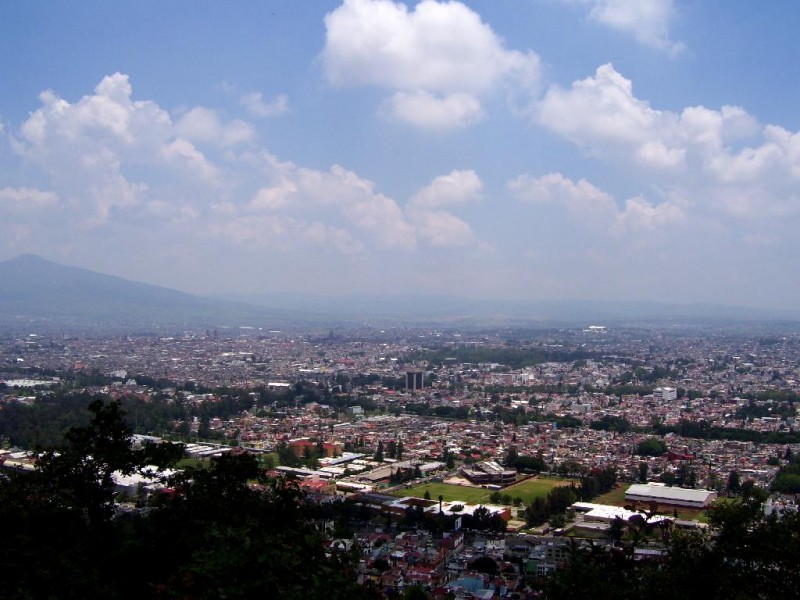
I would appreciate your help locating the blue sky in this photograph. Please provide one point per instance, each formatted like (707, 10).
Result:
(539, 149)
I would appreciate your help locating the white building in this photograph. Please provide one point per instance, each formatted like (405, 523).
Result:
(671, 496)
(665, 394)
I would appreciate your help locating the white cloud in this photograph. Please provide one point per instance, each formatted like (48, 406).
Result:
(440, 228)
(648, 21)
(440, 56)
(346, 201)
(273, 197)
(184, 154)
(602, 115)
(700, 153)
(375, 214)
(87, 148)
(203, 125)
(257, 106)
(601, 111)
(337, 238)
(457, 187)
(426, 111)
(593, 207)
(584, 201)
(27, 198)
(639, 214)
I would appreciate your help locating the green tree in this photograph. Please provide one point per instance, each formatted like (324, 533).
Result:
(651, 447)
(734, 485)
(214, 536)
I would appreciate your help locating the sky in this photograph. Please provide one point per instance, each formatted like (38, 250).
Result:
(506, 149)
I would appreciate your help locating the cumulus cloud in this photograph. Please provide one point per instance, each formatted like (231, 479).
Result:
(204, 125)
(427, 111)
(457, 187)
(648, 21)
(593, 207)
(336, 206)
(439, 58)
(723, 157)
(441, 228)
(88, 147)
(257, 106)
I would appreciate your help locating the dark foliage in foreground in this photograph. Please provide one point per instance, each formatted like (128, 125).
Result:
(215, 536)
(745, 556)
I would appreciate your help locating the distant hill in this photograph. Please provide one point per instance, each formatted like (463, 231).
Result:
(40, 292)
(431, 309)
(35, 292)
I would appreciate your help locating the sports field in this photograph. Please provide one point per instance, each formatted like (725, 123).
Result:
(527, 490)
(531, 488)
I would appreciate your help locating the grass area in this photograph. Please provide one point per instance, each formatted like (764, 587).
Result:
(450, 493)
(194, 463)
(527, 490)
(531, 488)
(615, 497)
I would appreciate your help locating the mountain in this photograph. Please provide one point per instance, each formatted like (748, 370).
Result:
(37, 291)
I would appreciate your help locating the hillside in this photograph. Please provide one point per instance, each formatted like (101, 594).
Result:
(37, 291)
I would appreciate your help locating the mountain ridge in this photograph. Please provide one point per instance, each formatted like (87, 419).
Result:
(37, 290)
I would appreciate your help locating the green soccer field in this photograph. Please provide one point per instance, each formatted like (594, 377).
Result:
(527, 490)
(531, 488)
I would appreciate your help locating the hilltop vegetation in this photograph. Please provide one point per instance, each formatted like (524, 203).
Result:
(213, 536)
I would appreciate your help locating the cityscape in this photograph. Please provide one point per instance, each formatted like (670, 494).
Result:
(409, 424)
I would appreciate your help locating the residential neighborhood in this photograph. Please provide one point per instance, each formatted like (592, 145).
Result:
(448, 462)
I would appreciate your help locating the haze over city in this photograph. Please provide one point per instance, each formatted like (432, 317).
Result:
(600, 150)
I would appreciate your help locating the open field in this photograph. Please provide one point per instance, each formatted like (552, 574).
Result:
(527, 490)
(615, 497)
(531, 488)
(450, 492)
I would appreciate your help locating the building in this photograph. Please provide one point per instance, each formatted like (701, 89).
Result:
(665, 394)
(415, 380)
(489, 473)
(669, 496)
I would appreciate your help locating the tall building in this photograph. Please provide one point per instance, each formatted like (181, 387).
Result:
(665, 394)
(414, 380)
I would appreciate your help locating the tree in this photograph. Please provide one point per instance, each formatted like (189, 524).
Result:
(379, 451)
(415, 592)
(643, 469)
(734, 485)
(204, 428)
(651, 447)
(744, 555)
(399, 450)
(213, 536)
(484, 564)
(616, 530)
